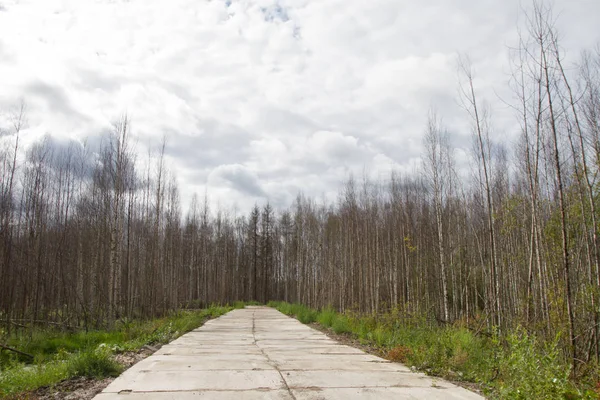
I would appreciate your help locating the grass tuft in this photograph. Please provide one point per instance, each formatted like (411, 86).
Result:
(326, 317)
(341, 324)
(97, 364)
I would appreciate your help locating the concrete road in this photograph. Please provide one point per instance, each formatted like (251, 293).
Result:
(259, 353)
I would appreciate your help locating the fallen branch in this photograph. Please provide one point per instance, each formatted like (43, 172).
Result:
(41, 322)
(4, 347)
(19, 325)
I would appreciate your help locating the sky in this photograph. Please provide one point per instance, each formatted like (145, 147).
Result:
(262, 99)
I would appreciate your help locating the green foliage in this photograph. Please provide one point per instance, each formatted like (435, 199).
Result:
(60, 355)
(326, 317)
(307, 316)
(511, 367)
(303, 313)
(285, 308)
(97, 363)
(341, 324)
(527, 371)
(238, 305)
(17, 377)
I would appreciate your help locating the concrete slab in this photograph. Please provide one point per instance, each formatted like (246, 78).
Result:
(296, 342)
(258, 353)
(186, 363)
(319, 358)
(242, 358)
(391, 393)
(199, 350)
(333, 349)
(161, 381)
(357, 379)
(205, 394)
(337, 365)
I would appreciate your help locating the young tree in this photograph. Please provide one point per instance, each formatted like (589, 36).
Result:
(437, 168)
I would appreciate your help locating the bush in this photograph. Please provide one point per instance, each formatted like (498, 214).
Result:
(528, 372)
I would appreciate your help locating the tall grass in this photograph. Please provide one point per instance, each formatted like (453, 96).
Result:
(515, 366)
(60, 355)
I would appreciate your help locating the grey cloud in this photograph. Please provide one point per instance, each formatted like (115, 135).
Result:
(55, 98)
(280, 120)
(214, 144)
(239, 178)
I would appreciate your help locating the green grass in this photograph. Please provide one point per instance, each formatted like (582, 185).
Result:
(515, 366)
(326, 317)
(304, 314)
(97, 363)
(60, 355)
(341, 324)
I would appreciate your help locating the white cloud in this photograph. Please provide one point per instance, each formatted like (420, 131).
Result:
(263, 98)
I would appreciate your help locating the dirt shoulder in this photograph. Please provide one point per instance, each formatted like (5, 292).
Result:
(81, 388)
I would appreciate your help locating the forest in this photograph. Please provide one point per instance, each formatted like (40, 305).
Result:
(91, 236)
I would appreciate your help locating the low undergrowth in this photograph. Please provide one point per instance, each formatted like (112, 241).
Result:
(514, 366)
(59, 355)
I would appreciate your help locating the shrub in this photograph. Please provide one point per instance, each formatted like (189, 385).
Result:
(528, 372)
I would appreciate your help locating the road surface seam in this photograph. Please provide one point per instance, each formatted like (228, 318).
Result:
(271, 362)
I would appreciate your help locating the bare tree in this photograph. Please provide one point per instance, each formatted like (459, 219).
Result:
(437, 167)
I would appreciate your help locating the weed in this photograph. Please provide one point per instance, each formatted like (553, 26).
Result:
(399, 354)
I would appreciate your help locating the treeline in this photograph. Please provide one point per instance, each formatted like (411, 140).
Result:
(88, 236)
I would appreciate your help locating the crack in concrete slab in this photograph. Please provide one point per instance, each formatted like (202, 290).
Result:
(274, 364)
